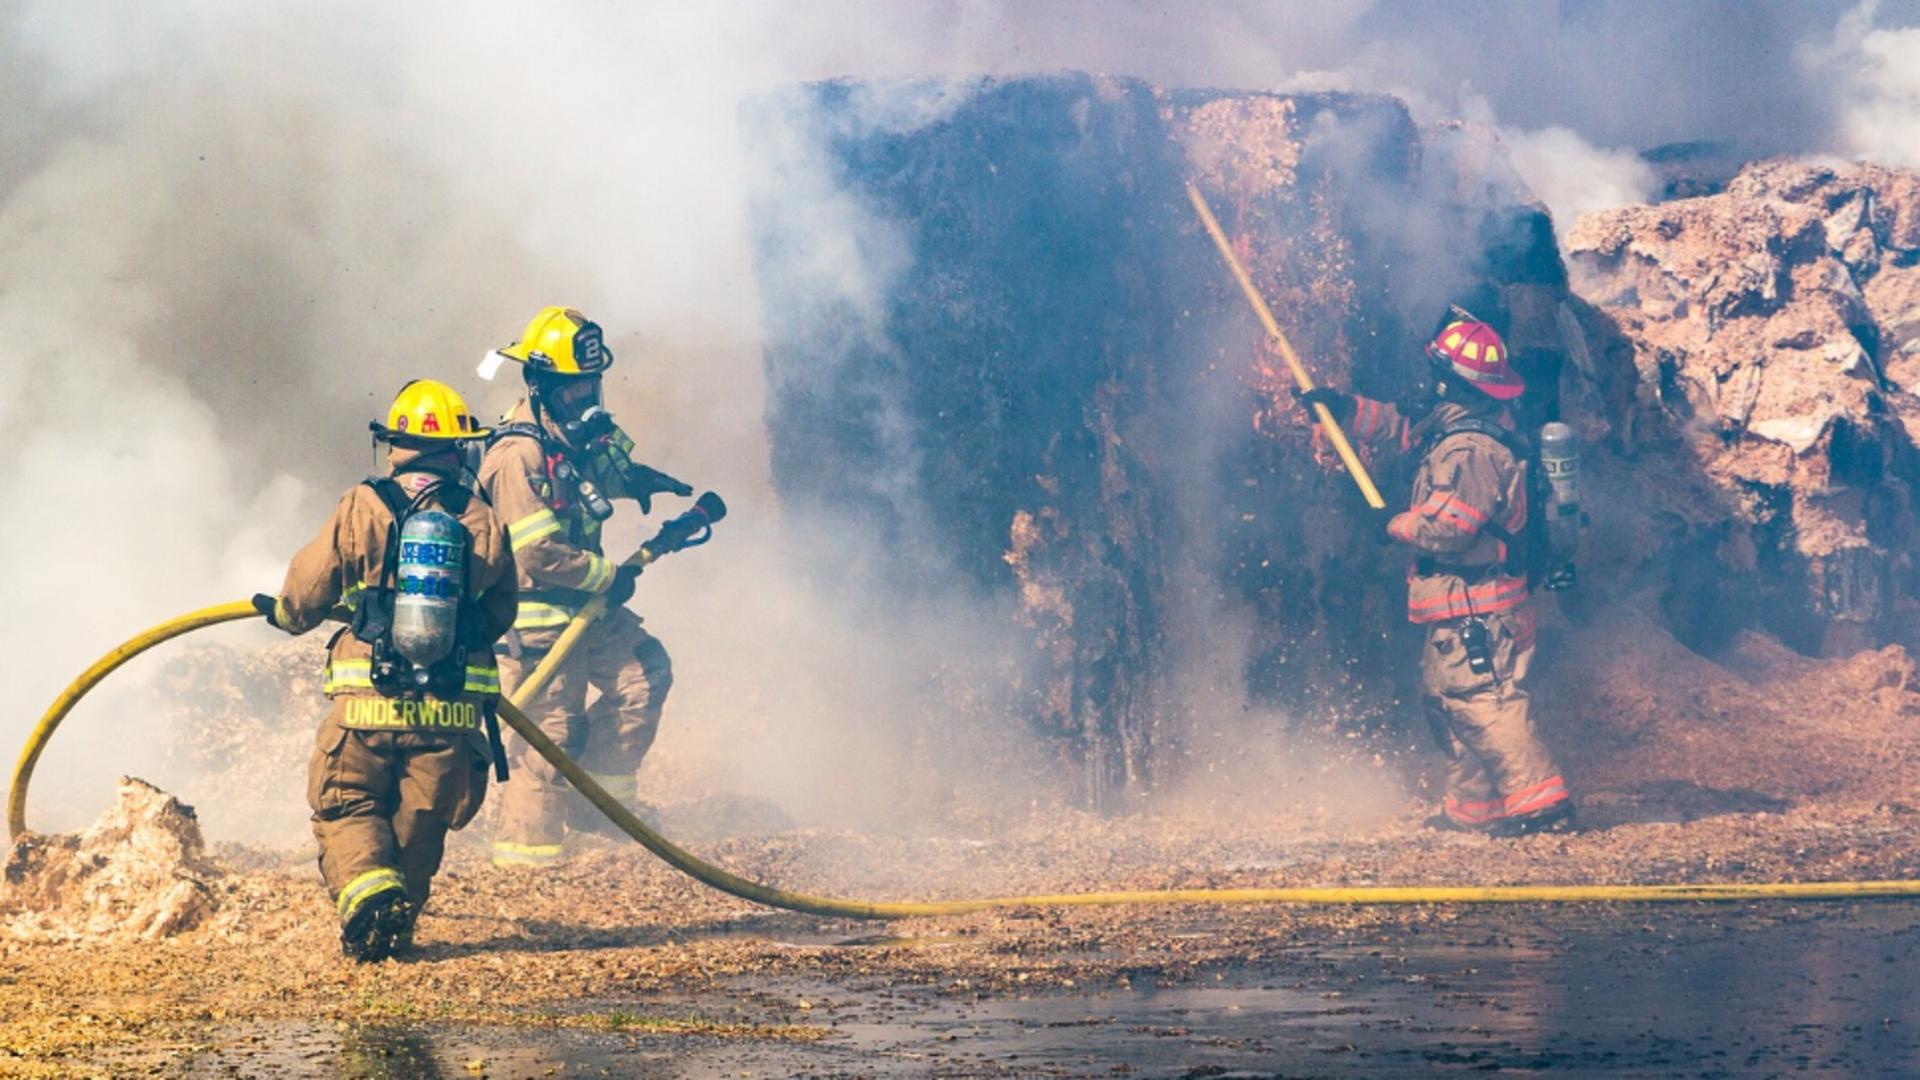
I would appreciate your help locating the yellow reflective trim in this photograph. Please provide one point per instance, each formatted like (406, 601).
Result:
(351, 597)
(526, 849)
(1471, 350)
(358, 675)
(534, 615)
(507, 853)
(483, 680)
(599, 574)
(347, 675)
(365, 887)
(622, 786)
(532, 527)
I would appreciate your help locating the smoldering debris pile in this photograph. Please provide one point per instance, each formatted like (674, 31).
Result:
(1062, 399)
(139, 874)
(1058, 397)
(1772, 333)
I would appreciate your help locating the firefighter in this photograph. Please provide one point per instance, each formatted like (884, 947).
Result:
(1468, 584)
(552, 469)
(401, 757)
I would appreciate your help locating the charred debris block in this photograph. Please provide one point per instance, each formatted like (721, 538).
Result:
(998, 343)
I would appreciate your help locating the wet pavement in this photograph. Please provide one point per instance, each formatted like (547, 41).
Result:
(1709, 990)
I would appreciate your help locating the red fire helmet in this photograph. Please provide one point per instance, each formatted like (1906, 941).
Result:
(1476, 354)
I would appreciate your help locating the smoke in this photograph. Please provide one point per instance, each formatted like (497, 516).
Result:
(1877, 69)
(1573, 177)
(232, 229)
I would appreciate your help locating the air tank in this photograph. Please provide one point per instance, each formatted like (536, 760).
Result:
(1560, 461)
(430, 579)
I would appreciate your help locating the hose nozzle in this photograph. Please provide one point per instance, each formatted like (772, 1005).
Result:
(691, 529)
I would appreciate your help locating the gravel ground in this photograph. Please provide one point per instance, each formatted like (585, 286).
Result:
(616, 944)
(1758, 766)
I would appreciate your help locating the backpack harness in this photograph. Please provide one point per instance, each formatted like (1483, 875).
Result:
(373, 615)
(1520, 546)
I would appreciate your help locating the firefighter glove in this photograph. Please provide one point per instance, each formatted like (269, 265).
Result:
(1339, 403)
(265, 605)
(645, 481)
(1378, 521)
(621, 590)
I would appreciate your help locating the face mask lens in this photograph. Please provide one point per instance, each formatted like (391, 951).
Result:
(577, 396)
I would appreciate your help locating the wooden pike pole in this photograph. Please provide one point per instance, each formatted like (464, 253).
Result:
(1327, 423)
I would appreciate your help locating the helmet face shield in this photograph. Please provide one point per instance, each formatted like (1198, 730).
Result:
(471, 453)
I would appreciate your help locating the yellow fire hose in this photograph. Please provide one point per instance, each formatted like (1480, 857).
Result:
(714, 876)
(1328, 424)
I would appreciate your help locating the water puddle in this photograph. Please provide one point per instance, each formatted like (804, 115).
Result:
(1710, 991)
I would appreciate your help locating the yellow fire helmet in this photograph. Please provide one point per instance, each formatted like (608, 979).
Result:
(429, 411)
(559, 341)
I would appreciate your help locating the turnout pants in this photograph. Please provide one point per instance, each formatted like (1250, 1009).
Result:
(1500, 769)
(632, 674)
(383, 802)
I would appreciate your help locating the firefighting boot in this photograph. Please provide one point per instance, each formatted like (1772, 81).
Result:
(395, 927)
(403, 937)
(1443, 822)
(1558, 818)
(369, 935)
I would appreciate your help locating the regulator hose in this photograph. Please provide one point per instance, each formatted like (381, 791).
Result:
(733, 884)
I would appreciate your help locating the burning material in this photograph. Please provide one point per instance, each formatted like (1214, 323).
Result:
(140, 873)
(1051, 403)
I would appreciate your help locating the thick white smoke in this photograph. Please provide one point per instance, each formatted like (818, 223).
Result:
(231, 229)
(1574, 177)
(1877, 69)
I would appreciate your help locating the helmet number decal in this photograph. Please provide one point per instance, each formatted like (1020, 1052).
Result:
(587, 347)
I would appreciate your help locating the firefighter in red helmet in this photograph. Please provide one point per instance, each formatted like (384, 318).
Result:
(1468, 583)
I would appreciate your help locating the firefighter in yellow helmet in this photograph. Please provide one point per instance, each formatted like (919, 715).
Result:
(553, 469)
(1468, 584)
(425, 567)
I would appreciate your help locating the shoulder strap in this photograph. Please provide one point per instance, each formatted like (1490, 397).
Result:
(520, 429)
(453, 494)
(372, 619)
(391, 493)
(399, 505)
(1515, 443)
(1475, 425)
